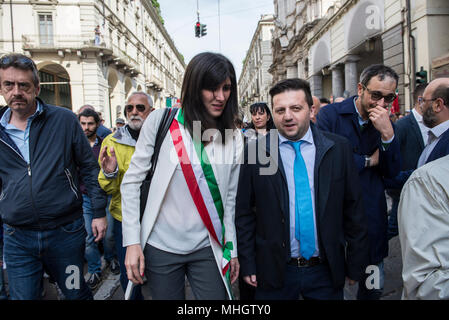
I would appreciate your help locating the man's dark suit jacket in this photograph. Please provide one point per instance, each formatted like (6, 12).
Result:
(411, 146)
(410, 140)
(441, 149)
(342, 119)
(263, 219)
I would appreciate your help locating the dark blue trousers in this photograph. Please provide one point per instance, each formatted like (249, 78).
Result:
(312, 283)
(60, 251)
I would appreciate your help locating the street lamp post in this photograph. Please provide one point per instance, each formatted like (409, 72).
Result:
(104, 16)
(12, 26)
(219, 28)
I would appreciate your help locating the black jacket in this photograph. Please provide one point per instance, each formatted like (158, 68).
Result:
(45, 194)
(441, 149)
(262, 214)
(410, 140)
(342, 119)
(412, 144)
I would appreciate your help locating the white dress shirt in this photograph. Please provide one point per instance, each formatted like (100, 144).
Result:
(421, 125)
(179, 228)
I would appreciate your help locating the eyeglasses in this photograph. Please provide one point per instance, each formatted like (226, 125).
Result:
(377, 95)
(421, 100)
(139, 107)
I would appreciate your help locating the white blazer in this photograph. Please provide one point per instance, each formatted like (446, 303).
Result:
(226, 173)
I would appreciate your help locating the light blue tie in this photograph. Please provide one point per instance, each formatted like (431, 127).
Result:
(304, 225)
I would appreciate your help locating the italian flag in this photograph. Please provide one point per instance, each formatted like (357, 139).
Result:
(202, 185)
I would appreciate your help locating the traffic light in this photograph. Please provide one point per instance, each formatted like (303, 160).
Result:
(203, 30)
(421, 76)
(198, 29)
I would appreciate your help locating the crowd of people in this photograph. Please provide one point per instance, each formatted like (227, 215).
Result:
(291, 205)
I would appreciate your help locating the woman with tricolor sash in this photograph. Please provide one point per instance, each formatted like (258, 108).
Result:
(188, 224)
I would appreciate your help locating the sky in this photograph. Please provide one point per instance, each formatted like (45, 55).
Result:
(238, 21)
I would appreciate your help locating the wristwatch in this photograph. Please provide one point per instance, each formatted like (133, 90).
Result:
(367, 161)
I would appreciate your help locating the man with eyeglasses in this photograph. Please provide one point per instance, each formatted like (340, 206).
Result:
(115, 156)
(423, 213)
(435, 108)
(42, 150)
(364, 120)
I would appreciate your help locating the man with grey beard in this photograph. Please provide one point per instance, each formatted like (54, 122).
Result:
(115, 156)
(435, 108)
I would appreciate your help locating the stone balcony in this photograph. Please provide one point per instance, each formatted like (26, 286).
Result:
(109, 52)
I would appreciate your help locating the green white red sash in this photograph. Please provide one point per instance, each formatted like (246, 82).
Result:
(202, 185)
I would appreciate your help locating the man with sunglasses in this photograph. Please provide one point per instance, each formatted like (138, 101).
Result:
(364, 120)
(42, 151)
(115, 156)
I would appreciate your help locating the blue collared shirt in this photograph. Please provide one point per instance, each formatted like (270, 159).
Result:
(96, 142)
(359, 116)
(287, 153)
(20, 138)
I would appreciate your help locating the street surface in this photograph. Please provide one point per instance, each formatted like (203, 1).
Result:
(110, 286)
(392, 289)
(110, 289)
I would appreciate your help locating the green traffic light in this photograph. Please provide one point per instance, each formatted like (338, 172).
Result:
(421, 76)
(203, 30)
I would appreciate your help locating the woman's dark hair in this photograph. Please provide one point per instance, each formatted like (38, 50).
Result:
(208, 70)
(261, 106)
(238, 123)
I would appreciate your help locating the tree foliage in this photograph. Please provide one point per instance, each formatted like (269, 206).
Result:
(157, 6)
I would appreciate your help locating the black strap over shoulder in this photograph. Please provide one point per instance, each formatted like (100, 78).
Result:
(167, 119)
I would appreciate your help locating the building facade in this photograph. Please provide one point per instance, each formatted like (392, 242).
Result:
(255, 80)
(94, 52)
(329, 43)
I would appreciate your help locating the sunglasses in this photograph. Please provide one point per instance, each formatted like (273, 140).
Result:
(7, 60)
(377, 95)
(139, 107)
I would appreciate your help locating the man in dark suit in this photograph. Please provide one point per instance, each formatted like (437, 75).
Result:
(365, 121)
(300, 228)
(412, 135)
(435, 108)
